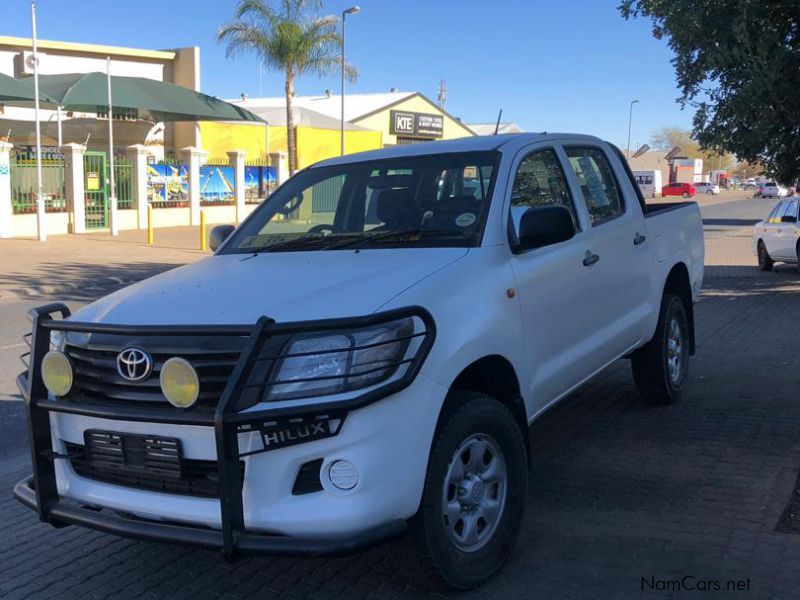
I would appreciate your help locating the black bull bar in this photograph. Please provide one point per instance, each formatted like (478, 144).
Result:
(39, 491)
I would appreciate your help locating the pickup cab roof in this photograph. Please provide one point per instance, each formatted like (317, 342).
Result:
(481, 143)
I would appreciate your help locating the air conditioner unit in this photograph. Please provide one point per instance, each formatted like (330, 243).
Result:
(26, 64)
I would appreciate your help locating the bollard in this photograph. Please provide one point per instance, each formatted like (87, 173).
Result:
(203, 242)
(149, 224)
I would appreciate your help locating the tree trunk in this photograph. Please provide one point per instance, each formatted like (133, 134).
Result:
(291, 139)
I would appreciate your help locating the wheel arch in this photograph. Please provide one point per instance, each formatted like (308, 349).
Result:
(678, 284)
(495, 376)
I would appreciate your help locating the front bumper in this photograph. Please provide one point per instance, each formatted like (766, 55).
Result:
(48, 491)
(65, 512)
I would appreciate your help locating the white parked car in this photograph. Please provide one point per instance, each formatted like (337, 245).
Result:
(316, 389)
(704, 187)
(772, 190)
(777, 238)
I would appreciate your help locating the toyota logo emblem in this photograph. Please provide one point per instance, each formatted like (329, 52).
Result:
(134, 364)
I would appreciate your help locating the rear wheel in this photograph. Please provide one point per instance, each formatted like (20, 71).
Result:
(660, 368)
(765, 263)
(474, 494)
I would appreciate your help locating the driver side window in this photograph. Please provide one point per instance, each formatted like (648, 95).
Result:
(540, 181)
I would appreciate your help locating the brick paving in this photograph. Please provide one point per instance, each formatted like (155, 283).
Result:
(620, 493)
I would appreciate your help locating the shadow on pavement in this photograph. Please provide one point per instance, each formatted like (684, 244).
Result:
(77, 281)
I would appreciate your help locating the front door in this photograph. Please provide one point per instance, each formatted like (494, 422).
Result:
(556, 308)
(95, 190)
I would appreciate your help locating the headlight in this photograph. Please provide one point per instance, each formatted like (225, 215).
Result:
(58, 340)
(337, 362)
(57, 373)
(179, 382)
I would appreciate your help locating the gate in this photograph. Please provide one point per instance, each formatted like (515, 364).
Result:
(95, 190)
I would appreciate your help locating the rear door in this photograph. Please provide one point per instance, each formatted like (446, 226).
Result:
(619, 279)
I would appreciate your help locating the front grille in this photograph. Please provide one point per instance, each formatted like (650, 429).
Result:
(197, 477)
(96, 377)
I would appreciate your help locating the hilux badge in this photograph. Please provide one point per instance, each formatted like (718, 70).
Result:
(134, 364)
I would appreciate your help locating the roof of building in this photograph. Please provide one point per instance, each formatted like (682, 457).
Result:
(489, 128)
(87, 48)
(276, 116)
(649, 161)
(355, 107)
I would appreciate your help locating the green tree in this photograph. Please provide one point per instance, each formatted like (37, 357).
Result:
(288, 38)
(738, 65)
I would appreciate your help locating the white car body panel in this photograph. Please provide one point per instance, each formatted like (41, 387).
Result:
(554, 320)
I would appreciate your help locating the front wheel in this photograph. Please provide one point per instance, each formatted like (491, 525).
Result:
(474, 494)
(661, 366)
(685, 194)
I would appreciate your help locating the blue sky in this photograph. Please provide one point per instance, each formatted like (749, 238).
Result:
(554, 66)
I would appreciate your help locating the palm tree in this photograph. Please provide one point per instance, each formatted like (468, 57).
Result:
(288, 38)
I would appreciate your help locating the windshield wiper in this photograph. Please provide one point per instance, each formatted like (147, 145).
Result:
(321, 242)
(387, 235)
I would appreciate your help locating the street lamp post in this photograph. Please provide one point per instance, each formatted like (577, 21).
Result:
(630, 121)
(350, 11)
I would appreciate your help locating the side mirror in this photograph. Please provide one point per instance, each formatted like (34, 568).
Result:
(218, 235)
(788, 219)
(545, 225)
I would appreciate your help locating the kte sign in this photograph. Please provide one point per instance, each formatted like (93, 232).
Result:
(413, 124)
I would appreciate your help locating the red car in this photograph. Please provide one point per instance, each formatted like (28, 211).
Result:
(678, 189)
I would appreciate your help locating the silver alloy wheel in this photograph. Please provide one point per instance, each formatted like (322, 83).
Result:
(674, 351)
(474, 492)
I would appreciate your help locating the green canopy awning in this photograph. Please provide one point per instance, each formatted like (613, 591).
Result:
(142, 98)
(20, 90)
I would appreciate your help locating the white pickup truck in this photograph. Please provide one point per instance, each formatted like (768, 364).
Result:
(363, 355)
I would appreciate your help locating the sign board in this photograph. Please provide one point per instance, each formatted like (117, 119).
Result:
(413, 124)
(92, 181)
(28, 152)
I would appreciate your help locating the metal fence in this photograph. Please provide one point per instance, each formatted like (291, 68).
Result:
(24, 186)
(123, 181)
(325, 194)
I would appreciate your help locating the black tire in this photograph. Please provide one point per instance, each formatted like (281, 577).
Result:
(657, 380)
(797, 254)
(765, 263)
(443, 564)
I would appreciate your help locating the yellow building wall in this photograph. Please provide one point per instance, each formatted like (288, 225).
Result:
(313, 144)
(380, 121)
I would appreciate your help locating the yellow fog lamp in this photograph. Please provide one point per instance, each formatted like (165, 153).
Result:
(57, 373)
(179, 382)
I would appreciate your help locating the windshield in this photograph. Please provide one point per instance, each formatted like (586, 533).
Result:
(423, 201)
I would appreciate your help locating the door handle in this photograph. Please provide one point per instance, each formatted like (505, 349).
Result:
(639, 239)
(590, 259)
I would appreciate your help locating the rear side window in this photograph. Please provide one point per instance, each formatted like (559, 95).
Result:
(791, 211)
(539, 181)
(597, 181)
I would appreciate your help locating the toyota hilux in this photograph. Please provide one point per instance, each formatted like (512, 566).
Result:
(363, 354)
